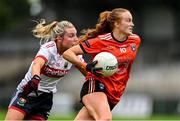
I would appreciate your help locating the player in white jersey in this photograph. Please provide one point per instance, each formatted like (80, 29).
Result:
(33, 97)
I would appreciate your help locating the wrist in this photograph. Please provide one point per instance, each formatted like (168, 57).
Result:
(36, 77)
(83, 65)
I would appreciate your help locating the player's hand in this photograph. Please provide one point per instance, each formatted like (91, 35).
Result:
(95, 70)
(32, 85)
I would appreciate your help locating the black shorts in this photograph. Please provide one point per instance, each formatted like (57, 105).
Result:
(33, 106)
(91, 86)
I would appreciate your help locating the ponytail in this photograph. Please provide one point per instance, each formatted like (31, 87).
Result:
(50, 31)
(103, 26)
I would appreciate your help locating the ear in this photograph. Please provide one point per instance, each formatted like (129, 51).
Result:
(116, 24)
(58, 38)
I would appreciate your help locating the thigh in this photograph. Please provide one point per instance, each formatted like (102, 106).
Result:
(91, 86)
(14, 114)
(94, 98)
(83, 115)
(97, 105)
(18, 107)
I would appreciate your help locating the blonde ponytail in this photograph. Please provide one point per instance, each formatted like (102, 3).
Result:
(51, 31)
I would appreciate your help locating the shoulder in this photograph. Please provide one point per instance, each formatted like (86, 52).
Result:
(106, 36)
(48, 49)
(49, 45)
(134, 37)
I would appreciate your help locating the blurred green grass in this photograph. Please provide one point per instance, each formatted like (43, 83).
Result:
(71, 117)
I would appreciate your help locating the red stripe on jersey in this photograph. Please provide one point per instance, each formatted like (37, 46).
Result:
(41, 56)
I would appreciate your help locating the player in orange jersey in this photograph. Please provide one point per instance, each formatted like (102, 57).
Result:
(113, 33)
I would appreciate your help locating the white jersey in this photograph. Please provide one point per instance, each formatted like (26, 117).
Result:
(54, 69)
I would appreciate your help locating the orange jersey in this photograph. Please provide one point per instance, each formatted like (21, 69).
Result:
(125, 53)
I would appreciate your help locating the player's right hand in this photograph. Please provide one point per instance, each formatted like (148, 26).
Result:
(95, 70)
(32, 85)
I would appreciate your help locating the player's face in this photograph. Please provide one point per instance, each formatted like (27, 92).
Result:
(126, 23)
(70, 38)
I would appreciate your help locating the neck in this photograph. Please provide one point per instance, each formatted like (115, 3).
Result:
(119, 36)
(60, 48)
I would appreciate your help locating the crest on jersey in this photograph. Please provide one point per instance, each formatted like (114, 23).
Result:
(101, 86)
(133, 47)
(21, 101)
(66, 64)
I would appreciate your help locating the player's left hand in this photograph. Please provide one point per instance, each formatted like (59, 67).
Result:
(32, 85)
(95, 70)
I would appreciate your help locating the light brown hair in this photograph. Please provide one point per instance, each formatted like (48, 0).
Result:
(104, 25)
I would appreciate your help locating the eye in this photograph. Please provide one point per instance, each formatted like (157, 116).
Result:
(71, 35)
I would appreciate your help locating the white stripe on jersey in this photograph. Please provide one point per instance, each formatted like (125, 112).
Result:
(14, 97)
(106, 36)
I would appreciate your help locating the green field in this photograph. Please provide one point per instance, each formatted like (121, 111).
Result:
(71, 117)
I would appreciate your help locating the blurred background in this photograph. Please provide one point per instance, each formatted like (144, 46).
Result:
(154, 86)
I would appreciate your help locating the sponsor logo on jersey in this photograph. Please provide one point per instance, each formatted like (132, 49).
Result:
(50, 45)
(51, 72)
(110, 47)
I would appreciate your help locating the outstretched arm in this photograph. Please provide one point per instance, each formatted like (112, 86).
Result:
(71, 56)
(32, 85)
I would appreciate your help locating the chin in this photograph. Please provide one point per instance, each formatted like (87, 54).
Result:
(129, 33)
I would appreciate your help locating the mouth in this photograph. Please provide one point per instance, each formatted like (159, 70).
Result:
(130, 29)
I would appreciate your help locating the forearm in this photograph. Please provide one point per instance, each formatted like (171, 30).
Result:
(36, 68)
(73, 58)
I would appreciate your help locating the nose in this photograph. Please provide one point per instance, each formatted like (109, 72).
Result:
(76, 39)
(132, 24)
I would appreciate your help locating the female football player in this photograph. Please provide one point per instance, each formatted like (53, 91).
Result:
(33, 97)
(113, 33)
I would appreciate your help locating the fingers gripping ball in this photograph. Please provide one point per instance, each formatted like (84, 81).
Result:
(108, 62)
(95, 70)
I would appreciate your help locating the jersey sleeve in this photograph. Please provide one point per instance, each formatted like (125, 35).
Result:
(136, 39)
(91, 45)
(43, 53)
